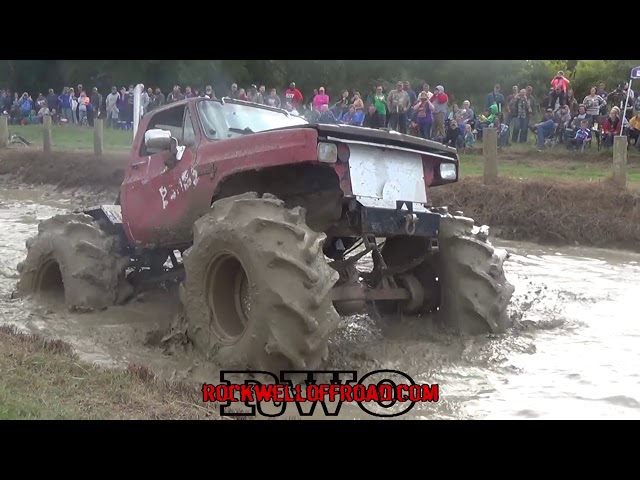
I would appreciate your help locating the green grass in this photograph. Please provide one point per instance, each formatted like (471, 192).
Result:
(43, 379)
(69, 137)
(473, 166)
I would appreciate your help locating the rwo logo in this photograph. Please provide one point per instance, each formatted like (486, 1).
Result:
(243, 393)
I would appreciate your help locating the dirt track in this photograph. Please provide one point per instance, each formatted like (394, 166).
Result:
(539, 210)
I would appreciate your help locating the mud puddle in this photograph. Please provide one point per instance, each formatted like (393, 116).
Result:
(573, 357)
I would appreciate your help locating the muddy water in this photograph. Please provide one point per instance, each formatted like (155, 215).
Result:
(575, 355)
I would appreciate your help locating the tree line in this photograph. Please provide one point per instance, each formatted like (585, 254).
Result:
(471, 79)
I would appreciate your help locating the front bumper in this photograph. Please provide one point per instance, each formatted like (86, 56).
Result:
(384, 222)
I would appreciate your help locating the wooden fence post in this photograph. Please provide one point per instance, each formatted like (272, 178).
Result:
(620, 160)
(490, 153)
(4, 131)
(98, 136)
(46, 134)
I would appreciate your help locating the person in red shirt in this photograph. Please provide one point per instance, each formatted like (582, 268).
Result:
(293, 96)
(611, 127)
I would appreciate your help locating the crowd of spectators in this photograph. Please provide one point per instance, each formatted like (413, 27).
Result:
(422, 112)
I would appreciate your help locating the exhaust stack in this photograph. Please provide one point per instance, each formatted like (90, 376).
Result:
(137, 107)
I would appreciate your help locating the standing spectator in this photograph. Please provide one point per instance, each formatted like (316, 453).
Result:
(439, 101)
(535, 105)
(26, 105)
(175, 95)
(96, 104)
(559, 84)
(380, 102)
(357, 102)
(601, 91)
(273, 99)
(83, 100)
(254, 95)
(40, 102)
(413, 98)
(594, 104)
(159, 98)
(424, 116)
(188, 93)
(397, 106)
(242, 95)
(65, 104)
(511, 107)
(320, 99)
(495, 98)
(52, 100)
(523, 113)
(112, 108)
(232, 94)
(209, 93)
(293, 96)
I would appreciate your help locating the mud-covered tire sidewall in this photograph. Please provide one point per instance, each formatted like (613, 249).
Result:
(291, 314)
(89, 260)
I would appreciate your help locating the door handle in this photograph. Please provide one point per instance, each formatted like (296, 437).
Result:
(135, 166)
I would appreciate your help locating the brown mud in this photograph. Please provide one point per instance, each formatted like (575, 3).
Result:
(544, 211)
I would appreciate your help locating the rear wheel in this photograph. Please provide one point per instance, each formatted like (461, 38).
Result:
(257, 287)
(72, 261)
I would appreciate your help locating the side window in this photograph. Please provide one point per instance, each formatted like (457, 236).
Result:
(189, 133)
(171, 119)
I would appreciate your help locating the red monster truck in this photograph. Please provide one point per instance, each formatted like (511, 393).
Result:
(258, 212)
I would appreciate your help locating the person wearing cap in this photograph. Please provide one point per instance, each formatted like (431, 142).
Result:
(254, 95)
(320, 99)
(439, 101)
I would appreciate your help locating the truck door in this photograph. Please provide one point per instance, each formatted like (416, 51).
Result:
(155, 196)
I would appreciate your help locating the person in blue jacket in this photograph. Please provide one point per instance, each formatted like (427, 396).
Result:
(26, 105)
(353, 117)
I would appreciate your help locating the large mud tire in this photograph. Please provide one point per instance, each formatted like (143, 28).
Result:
(71, 258)
(475, 290)
(291, 314)
(472, 290)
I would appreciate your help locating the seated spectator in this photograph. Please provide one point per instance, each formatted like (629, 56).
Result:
(562, 117)
(486, 120)
(341, 107)
(326, 115)
(289, 108)
(611, 127)
(55, 117)
(583, 135)
(634, 129)
(469, 139)
(572, 103)
(503, 131)
(582, 115)
(454, 136)
(373, 119)
(44, 110)
(353, 117)
(544, 129)
(468, 116)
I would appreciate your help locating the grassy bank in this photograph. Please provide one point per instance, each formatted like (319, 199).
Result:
(69, 137)
(43, 379)
(549, 211)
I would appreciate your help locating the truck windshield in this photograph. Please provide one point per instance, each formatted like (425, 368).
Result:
(229, 120)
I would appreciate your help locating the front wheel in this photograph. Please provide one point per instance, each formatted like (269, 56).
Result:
(257, 287)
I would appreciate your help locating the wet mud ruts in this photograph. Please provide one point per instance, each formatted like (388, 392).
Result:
(549, 211)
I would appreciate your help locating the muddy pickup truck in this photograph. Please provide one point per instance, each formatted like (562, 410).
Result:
(266, 223)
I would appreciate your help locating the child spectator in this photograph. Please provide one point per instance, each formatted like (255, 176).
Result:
(583, 134)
